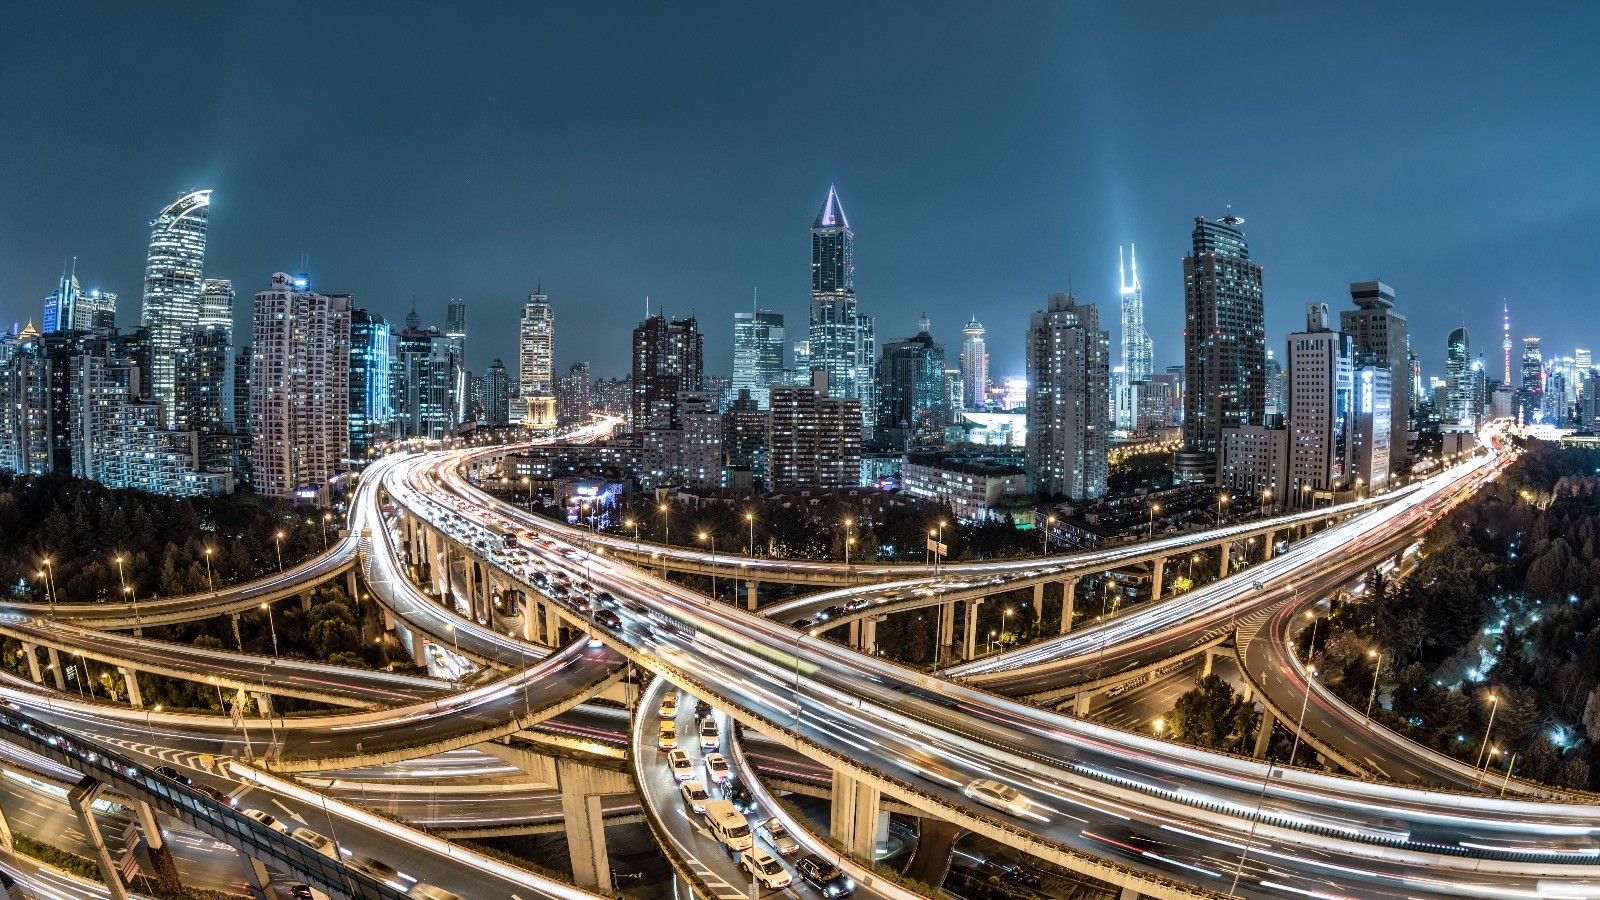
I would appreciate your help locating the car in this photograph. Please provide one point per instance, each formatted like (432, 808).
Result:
(701, 709)
(694, 794)
(667, 737)
(739, 796)
(856, 603)
(832, 612)
(608, 618)
(316, 842)
(778, 836)
(173, 774)
(802, 623)
(216, 795)
(268, 820)
(382, 871)
(765, 868)
(717, 768)
(669, 705)
(999, 796)
(290, 890)
(710, 737)
(678, 762)
(827, 878)
(425, 891)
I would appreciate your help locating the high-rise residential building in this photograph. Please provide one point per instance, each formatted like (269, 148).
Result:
(800, 372)
(758, 340)
(26, 426)
(71, 308)
(668, 359)
(371, 416)
(1379, 336)
(1137, 353)
(497, 395)
(574, 396)
(842, 341)
(686, 450)
(813, 439)
(744, 435)
(173, 282)
(242, 359)
(974, 367)
(1277, 387)
(216, 305)
(1459, 380)
(1069, 416)
(913, 404)
(1224, 342)
(422, 381)
(203, 393)
(299, 390)
(1321, 385)
(1155, 402)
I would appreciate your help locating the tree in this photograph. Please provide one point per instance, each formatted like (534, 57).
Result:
(1208, 715)
(332, 636)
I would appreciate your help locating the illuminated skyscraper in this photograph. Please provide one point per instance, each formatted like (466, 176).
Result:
(668, 360)
(173, 283)
(1069, 373)
(912, 403)
(1137, 364)
(71, 308)
(455, 335)
(497, 395)
(842, 340)
(299, 390)
(216, 305)
(370, 393)
(1459, 380)
(536, 357)
(1379, 335)
(758, 339)
(974, 367)
(1224, 343)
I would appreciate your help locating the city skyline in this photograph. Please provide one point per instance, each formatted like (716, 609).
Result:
(1057, 234)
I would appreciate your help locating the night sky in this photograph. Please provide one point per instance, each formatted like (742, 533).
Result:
(986, 154)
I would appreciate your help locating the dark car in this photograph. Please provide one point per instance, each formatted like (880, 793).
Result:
(833, 611)
(215, 794)
(743, 801)
(826, 877)
(291, 890)
(174, 774)
(604, 598)
(801, 623)
(608, 618)
(701, 709)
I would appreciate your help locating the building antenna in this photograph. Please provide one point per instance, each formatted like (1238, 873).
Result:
(755, 301)
(647, 307)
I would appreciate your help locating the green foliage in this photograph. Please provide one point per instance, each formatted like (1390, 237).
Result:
(1211, 715)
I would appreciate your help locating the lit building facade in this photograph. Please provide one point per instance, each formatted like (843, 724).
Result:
(1069, 416)
(371, 416)
(1224, 342)
(299, 390)
(841, 341)
(813, 439)
(173, 283)
(913, 405)
(536, 340)
(974, 367)
(1321, 386)
(758, 341)
(496, 395)
(1380, 339)
(668, 360)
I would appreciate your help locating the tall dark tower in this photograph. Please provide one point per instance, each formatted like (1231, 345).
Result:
(843, 342)
(1224, 343)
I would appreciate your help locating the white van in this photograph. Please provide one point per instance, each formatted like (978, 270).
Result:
(728, 826)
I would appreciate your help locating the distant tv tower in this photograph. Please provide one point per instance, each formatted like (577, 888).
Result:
(1505, 342)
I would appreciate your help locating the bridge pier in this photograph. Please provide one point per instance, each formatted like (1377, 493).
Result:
(1222, 568)
(56, 670)
(1158, 572)
(256, 873)
(6, 840)
(1069, 597)
(947, 629)
(419, 649)
(969, 640)
(1129, 893)
(1038, 605)
(1272, 546)
(238, 639)
(82, 798)
(130, 678)
(750, 595)
(31, 653)
(856, 816)
(581, 789)
(1264, 736)
(160, 855)
(350, 584)
(867, 641)
(263, 703)
(1080, 703)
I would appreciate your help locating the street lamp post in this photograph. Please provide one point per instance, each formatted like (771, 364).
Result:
(1494, 707)
(133, 597)
(273, 626)
(1221, 499)
(751, 519)
(327, 522)
(210, 584)
(1154, 508)
(713, 538)
(1311, 673)
(1377, 665)
(666, 525)
(631, 523)
(1048, 521)
(936, 552)
(47, 575)
(279, 538)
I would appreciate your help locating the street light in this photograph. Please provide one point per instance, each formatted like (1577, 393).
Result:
(272, 625)
(327, 521)
(1311, 674)
(1221, 499)
(279, 538)
(1377, 665)
(133, 597)
(631, 523)
(48, 576)
(1161, 725)
(1154, 508)
(210, 584)
(751, 519)
(666, 524)
(1494, 707)
(713, 539)
(1048, 521)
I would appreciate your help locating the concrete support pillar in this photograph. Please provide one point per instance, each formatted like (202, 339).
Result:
(1129, 893)
(947, 629)
(419, 651)
(263, 703)
(238, 641)
(350, 584)
(1270, 548)
(256, 873)
(1158, 573)
(530, 624)
(1222, 567)
(82, 799)
(388, 620)
(969, 640)
(1069, 599)
(855, 633)
(1264, 736)
(1038, 604)
(130, 678)
(750, 595)
(56, 669)
(31, 653)
(869, 635)
(1080, 704)
(856, 815)
(586, 830)
(305, 602)
(166, 869)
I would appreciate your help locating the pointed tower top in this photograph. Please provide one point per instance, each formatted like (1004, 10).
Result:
(413, 320)
(922, 324)
(30, 331)
(832, 213)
